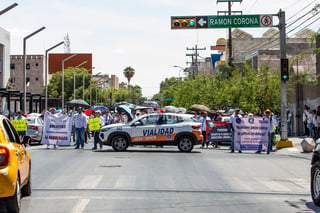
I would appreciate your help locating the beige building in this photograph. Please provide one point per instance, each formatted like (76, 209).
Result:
(106, 81)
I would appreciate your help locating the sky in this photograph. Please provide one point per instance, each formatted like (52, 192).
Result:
(136, 33)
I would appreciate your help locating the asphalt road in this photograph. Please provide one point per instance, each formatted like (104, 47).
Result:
(146, 179)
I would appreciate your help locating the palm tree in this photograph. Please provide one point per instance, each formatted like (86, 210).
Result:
(128, 73)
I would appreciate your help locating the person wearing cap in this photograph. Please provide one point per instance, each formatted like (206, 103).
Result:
(97, 132)
(80, 127)
(233, 118)
(271, 134)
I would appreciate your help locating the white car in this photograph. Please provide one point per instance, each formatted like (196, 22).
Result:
(160, 129)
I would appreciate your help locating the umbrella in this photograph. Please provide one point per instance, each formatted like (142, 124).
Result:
(199, 107)
(88, 112)
(170, 109)
(77, 103)
(181, 110)
(142, 107)
(101, 108)
(231, 111)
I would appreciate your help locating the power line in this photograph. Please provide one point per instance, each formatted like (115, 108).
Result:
(301, 9)
(304, 22)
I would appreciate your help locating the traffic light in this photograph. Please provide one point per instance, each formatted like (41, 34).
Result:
(185, 22)
(284, 70)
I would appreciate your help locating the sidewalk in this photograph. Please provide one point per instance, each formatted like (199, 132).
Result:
(296, 148)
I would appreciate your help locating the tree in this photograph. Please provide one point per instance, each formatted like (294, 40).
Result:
(129, 73)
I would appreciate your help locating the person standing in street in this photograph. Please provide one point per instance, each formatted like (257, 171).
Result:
(52, 110)
(21, 117)
(305, 119)
(310, 122)
(289, 122)
(80, 126)
(233, 118)
(97, 132)
(271, 133)
(315, 127)
(203, 121)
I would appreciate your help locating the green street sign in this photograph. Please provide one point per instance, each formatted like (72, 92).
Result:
(234, 21)
(238, 21)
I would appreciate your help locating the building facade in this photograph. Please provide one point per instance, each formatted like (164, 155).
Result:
(34, 73)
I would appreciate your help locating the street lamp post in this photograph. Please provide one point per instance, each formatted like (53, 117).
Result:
(74, 78)
(83, 84)
(181, 69)
(24, 66)
(8, 8)
(62, 83)
(91, 88)
(46, 72)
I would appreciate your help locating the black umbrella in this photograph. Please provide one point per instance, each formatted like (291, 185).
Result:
(77, 103)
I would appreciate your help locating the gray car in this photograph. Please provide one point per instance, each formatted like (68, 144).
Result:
(34, 127)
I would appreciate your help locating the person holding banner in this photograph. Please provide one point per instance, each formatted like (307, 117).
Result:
(233, 118)
(271, 134)
(97, 131)
(80, 124)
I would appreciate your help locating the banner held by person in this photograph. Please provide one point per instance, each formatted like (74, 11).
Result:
(251, 134)
(218, 131)
(94, 124)
(20, 125)
(57, 129)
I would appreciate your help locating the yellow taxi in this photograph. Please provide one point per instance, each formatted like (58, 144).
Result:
(15, 166)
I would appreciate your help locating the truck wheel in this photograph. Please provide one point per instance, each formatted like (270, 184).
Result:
(315, 183)
(13, 203)
(185, 144)
(120, 143)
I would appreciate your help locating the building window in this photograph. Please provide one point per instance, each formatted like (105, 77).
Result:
(37, 64)
(37, 79)
(28, 66)
(12, 66)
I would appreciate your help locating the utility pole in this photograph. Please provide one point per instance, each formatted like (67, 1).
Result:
(229, 29)
(194, 57)
(283, 84)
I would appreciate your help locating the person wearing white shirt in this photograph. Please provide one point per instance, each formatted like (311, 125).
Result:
(289, 121)
(310, 122)
(203, 121)
(233, 118)
(80, 126)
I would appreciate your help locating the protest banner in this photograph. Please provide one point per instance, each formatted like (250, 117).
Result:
(251, 133)
(57, 129)
(20, 125)
(218, 131)
(94, 124)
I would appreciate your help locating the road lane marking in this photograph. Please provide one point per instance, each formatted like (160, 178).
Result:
(90, 181)
(80, 206)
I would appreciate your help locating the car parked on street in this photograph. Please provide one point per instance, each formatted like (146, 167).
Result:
(160, 129)
(34, 127)
(15, 166)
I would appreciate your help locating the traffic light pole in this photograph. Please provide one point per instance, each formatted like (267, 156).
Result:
(283, 84)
